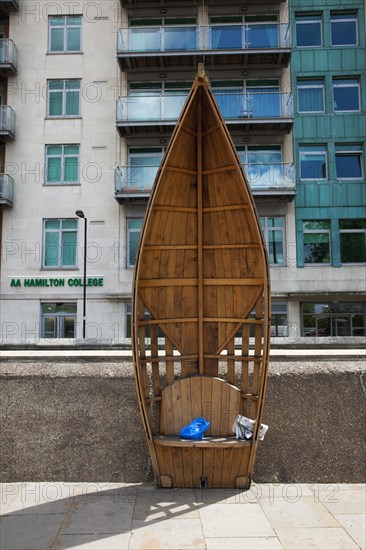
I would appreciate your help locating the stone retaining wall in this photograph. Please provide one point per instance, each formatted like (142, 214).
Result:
(80, 422)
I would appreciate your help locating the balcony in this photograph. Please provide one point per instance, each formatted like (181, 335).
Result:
(8, 6)
(255, 45)
(8, 56)
(134, 183)
(6, 189)
(254, 112)
(7, 122)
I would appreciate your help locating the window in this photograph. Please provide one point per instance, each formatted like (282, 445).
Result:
(59, 243)
(134, 226)
(143, 164)
(310, 94)
(352, 235)
(279, 323)
(65, 33)
(346, 94)
(62, 164)
(308, 30)
(58, 320)
(313, 162)
(63, 98)
(333, 319)
(348, 161)
(343, 28)
(274, 236)
(263, 166)
(316, 242)
(128, 325)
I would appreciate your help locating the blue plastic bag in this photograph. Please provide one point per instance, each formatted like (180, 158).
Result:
(195, 429)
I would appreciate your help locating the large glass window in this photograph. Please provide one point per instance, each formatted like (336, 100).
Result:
(62, 164)
(333, 319)
(308, 30)
(143, 164)
(134, 226)
(343, 28)
(346, 94)
(313, 162)
(58, 320)
(352, 236)
(348, 161)
(316, 242)
(310, 94)
(274, 235)
(63, 98)
(65, 33)
(164, 33)
(59, 243)
(263, 165)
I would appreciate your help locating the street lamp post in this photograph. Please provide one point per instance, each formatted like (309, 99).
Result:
(80, 214)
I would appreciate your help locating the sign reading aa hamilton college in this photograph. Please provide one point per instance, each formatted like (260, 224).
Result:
(48, 282)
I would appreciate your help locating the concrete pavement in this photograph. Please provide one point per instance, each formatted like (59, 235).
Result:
(121, 516)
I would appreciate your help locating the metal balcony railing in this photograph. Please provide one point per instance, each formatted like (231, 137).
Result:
(171, 38)
(137, 179)
(7, 121)
(233, 105)
(8, 53)
(6, 189)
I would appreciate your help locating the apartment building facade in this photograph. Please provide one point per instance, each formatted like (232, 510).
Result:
(98, 90)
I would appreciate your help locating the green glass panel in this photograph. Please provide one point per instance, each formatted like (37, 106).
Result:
(71, 149)
(71, 169)
(49, 327)
(57, 21)
(353, 247)
(349, 147)
(76, 20)
(51, 253)
(316, 238)
(73, 40)
(179, 21)
(55, 104)
(72, 85)
(54, 170)
(135, 223)
(134, 238)
(226, 19)
(352, 224)
(316, 224)
(49, 308)
(57, 40)
(55, 84)
(66, 308)
(69, 327)
(54, 150)
(68, 248)
(52, 224)
(72, 103)
(69, 224)
(146, 22)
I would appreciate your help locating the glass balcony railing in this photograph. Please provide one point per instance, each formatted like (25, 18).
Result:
(8, 53)
(233, 105)
(140, 179)
(7, 120)
(204, 38)
(6, 188)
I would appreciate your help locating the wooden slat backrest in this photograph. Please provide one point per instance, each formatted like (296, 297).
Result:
(188, 398)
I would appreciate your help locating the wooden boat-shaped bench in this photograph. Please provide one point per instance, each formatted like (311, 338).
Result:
(201, 286)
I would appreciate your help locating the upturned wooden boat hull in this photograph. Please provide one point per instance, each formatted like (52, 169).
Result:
(201, 288)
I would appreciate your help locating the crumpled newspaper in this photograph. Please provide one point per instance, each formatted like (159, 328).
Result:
(243, 428)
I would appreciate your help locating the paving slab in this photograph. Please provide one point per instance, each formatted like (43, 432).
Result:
(37, 498)
(323, 538)
(29, 532)
(92, 542)
(152, 505)
(302, 513)
(171, 534)
(355, 526)
(240, 543)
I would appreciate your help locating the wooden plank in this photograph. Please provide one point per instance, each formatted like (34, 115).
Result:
(179, 170)
(169, 358)
(197, 466)
(172, 208)
(196, 396)
(257, 351)
(231, 362)
(225, 411)
(167, 426)
(216, 408)
(176, 408)
(212, 442)
(218, 464)
(155, 365)
(245, 365)
(207, 467)
(227, 460)
(187, 466)
(219, 169)
(174, 247)
(207, 400)
(229, 246)
(200, 237)
(153, 283)
(224, 208)
(178, 467)
(185, 400)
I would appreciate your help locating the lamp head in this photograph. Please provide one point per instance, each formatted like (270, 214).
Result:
(80, 214)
